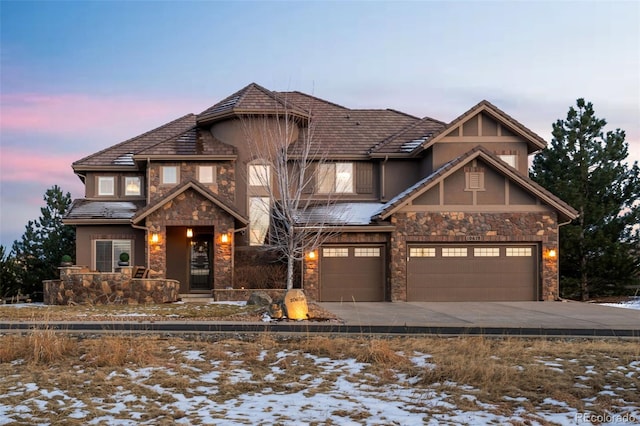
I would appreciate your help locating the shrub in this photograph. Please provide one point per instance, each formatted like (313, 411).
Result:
(264, 277)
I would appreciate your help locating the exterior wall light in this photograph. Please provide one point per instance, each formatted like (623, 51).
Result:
(189, 233)
(311, 255)
(552, 253)
(155, 238)
(224, 238)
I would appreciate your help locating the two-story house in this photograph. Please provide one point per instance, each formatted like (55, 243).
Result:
(437, 211)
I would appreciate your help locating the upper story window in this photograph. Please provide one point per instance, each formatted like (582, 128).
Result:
(132, 185)
(259, 175)
(510, 159)
(106, 185)
(206, 174)
(169, 175)
(335, 178)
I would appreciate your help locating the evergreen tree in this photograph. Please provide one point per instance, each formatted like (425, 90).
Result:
(44, 242)
(9, 284)
(587, 168)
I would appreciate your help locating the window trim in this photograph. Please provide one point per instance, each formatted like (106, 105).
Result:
(258, 183)
(114, 258)
(508, 158)
(213, 174)
(125, 191)
(333, 252)
(112, 179)
(266, 201)
(162, 175)
(333, 175)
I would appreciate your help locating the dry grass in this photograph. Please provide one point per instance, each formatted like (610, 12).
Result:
(570, 371)
(150, 312)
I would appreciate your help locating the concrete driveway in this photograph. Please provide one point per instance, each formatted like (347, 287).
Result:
(572, 317)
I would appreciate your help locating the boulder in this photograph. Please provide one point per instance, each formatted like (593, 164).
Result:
(259, 298)
(275, 311)
(295, 303)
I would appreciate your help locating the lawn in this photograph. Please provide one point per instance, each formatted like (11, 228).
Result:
(52, 378)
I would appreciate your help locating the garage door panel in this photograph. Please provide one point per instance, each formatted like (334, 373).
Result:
(483, 275)
(358, 277)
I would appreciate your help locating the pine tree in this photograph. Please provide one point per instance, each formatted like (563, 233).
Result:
(8, 274)
(587, 168)
(44, 242)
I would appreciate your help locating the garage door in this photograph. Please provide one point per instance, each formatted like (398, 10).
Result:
(471, 272)
(352, 273)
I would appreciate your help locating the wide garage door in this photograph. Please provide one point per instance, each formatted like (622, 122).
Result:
(352, 273)
(469, 272)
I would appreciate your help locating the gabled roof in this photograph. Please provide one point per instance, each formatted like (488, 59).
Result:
(189, 185)
(343, 132)
(534, 141)
(402, 199)
(191, 142)
(83, 210)
(115, 156)
(252, 99)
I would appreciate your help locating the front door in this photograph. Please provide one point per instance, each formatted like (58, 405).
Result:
(201, 263)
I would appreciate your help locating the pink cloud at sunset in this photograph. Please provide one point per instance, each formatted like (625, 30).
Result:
(73, 114)
(24, 165)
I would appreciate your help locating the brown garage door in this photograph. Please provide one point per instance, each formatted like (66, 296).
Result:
(352, 273)
(447, 273)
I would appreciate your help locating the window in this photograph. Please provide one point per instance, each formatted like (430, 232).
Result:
(510, 159)
(335, 252)
(206, 174)
(259, 175)
(486, 252)
(367, 252)
(169, 175)
(132, 185)
(519, 251)
(454, 252)
(422, 252)
(106, 185)
(107, 254)
(259, 218)
(335, 178)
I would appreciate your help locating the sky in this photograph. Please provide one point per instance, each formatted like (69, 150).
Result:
(79, 76)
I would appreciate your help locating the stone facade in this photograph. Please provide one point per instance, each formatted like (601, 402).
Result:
(451, 227)
(79, 286)
(224, 185)
(311, 271)
(456, 227)
(192, 209)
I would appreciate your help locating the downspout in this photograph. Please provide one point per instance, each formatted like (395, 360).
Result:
(382, 177)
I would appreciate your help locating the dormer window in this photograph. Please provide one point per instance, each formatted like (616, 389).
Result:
(106, 185)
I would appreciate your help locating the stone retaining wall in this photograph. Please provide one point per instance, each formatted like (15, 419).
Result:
(77, 285)
(242, 295)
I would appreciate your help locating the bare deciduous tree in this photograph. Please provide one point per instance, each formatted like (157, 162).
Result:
(282, 180)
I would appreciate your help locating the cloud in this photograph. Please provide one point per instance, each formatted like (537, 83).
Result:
(75, 114)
